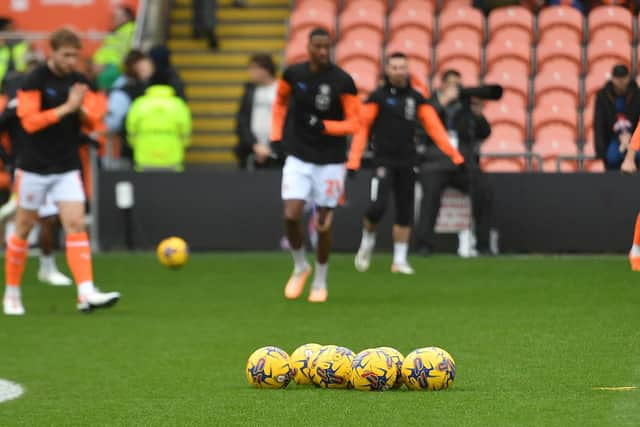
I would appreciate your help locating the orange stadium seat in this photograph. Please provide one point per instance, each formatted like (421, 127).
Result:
(363, 13)
(380, 3)
(556, 88)
(456, 4)
(457, 50)
(587, 120)
(416, 50)
(453, 18)
(609, 50)
(420, 70)
(560, 22)
(507, 116)
(557, 116)
(410, 33)
(465, 34)
(414, 15)
(310, 16)
(595, 165)
(501, 143)
(506, 55)
(296, 50)
(605, 20)
(515, 87)
(352, 48)
(516, 19)
(422, 4)
(552, 144)
(364, 74)
(559, 55)
(363, 33)
(515, 34)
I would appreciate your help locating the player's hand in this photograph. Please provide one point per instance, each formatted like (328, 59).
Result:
(76, 96)
(312, 122)
(262, 152)
(629, 165)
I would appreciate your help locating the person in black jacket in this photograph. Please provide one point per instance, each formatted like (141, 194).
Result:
(615, 116)
(467, 127)
(164, 73)
(253, 120)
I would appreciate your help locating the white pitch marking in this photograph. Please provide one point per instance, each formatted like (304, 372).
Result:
(9, 390)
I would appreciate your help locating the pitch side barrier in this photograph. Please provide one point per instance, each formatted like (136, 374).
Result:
(229, 210)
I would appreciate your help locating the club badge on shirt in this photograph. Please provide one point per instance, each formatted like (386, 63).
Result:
(323, 97)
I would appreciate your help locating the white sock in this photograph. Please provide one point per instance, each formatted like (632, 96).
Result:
(47, 263)
(635, 250)
(299, 259)
(368, 241)
(320, 278)
(86, 288)
(400, 253)
(12, 291)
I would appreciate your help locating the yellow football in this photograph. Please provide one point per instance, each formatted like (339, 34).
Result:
(269, 367)
(173, 252)
(429, 368)
(300, 361)
(397, 358)
(331, 367)
(373, 370)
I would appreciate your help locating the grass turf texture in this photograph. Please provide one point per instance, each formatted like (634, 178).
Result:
(531, 339)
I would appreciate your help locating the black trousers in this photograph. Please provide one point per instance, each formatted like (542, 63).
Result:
(204, 16)
(401, 181)
(469, 180)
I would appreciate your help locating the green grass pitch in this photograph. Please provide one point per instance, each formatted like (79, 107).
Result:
(532, 338)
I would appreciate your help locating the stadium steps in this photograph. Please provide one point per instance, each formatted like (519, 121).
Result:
(214, 79)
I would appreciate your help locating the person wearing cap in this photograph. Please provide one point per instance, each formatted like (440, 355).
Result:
(615, 116)
(14, 54)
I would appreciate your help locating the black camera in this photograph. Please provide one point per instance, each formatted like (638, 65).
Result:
(489, 92)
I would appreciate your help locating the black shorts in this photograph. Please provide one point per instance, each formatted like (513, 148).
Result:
(397, 179)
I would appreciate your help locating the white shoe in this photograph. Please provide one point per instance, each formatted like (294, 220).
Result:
(97, 299)
(363, 259)
(402, 269)
(54, 278)
(8, 208)
(13, 306)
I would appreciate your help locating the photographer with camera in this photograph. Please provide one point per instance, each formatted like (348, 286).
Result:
(460, 109)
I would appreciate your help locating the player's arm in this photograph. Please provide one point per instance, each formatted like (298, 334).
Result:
(629, 163)
(93, 109)
(432, 124)
(351, 122)
(368, 114)
(279, 110)
(34, 119)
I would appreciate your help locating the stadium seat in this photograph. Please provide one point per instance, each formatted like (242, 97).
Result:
(490, 165)
(607, 20)
(594, 81)
(304, 19)
(516, 19)
(296, 50)
(416, 50)
(508, 56)
(560, 117)
(352, 48)
(420, 70)
(362, 13)
(365, 34)
(413, 15)
(453, 18)
(515, 87)
(350, 3)
(587, 120)
(420, 4)
(560, 22)
(610, 50)
(410, 33)
(455, 4)
(552, 144)
(515, 34)
(594, 165)
(559, 55)
(557, 88)
(502, 144)
(506, 116)
(364, 73)
(457, 50)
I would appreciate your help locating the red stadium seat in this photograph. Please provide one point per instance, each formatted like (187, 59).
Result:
(456, 4)
(410, 33)
(507, 116)
(463, 17)
(364, 33)
(411, 15)
(502, 166)
(296, 50)
(609, 50)
(515, 87)
(556, 86)
(457, 50)
(352, 48)
(595, 165)
(500, 143)
(508, 55)
(379, 3)
(362, 14)
(305, 19)
(605, 20)
(553, 143)
(364, 74)
(465, 34)
(513, 18)
(587, 120)
(515, 34)
(560, 22)
(421, 4)
(559, 55)
(416, 50)
(420, 70)
(557, 116)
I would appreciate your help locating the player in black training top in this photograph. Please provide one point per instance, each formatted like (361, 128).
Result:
(53, 103)
(391, 115)
(316, 108)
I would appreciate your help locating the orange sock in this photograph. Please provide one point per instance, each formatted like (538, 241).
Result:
(636, 232)
(15, 260)
(79, 257)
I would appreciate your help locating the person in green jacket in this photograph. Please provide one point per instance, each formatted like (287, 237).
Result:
(109, 58)
(158, 129)
(14, 54)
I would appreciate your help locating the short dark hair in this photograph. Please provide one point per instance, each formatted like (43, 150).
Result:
(264, 61)
(396, 54)
(131, 15)
(64, 37)
(449, 73)
(318, 31)
(130, 61)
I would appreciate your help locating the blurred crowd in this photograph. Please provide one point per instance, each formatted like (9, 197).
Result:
(534, 5)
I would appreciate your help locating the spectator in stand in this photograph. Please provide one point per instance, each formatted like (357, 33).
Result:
(108, 59)
(488, 5)
(615, 116)
(253, 120)
(138, 69)
(204, 21)
(164, 73)
(13, 53)
(158, 129)
(576, 4)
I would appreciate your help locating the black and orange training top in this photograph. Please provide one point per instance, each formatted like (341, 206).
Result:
(51, 143)
(330, 95)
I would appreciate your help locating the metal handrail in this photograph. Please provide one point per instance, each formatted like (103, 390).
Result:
(528, 156)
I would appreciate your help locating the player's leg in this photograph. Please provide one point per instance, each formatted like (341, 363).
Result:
(634, 253)
(379, 195)
(30, 190)
(296, 190)
(48, 271)
(404, 193)
(68, 193)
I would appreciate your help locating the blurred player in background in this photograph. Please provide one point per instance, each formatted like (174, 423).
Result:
(53, 104)
(320, 104)
(391, 115)
(629, 166)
